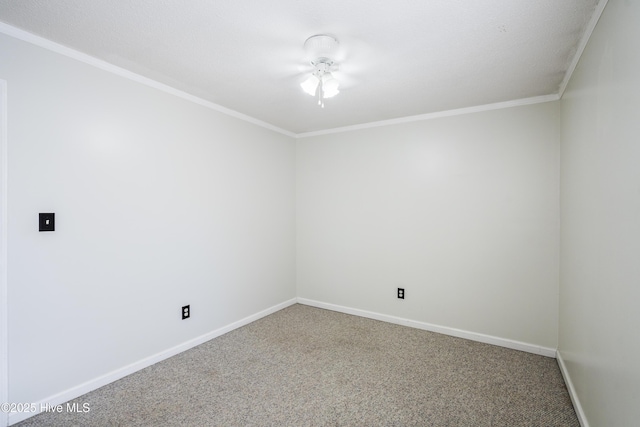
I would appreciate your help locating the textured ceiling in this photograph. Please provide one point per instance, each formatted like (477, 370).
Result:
(397, 58)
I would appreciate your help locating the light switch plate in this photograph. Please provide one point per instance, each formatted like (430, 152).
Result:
(47, 222)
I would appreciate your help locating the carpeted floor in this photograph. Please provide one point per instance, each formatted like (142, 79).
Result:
(304, 366)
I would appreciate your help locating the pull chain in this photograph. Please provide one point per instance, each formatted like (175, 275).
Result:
(321, 93)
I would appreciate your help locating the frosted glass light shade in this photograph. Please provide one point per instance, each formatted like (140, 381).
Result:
(310, 85)
(329, 86)
(330, 93)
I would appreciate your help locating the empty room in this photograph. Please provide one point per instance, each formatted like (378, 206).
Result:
(394, 213)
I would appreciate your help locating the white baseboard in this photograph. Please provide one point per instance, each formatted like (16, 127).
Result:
(91, 385)
(582, 418)
(474, 336)
(103, 380)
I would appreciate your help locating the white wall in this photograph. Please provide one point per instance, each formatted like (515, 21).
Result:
(600, 257)
(463, 212)
(159, 203)
(4, 362)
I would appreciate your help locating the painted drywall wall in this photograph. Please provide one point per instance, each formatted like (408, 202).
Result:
(159, 203)
(600, 244)
(4, 363)
(462, 212)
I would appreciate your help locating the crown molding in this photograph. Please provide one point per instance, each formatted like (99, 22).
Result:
(436, 115)
(82, 57)
(582, 45)
(106, 66)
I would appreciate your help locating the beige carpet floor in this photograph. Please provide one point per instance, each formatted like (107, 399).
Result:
(304, 366)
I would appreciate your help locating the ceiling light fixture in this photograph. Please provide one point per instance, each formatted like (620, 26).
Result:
(321, 48)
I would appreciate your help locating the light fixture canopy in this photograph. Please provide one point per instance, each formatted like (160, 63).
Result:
(321, 49)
